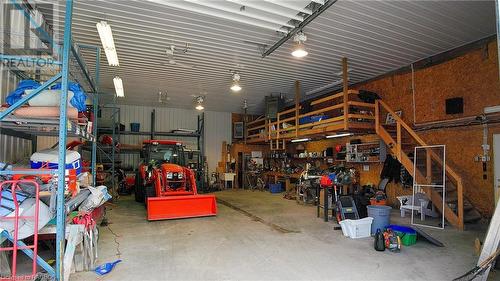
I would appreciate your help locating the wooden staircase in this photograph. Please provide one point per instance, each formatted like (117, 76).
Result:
(402, 140)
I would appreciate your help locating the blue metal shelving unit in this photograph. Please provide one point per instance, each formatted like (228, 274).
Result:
(64, 127)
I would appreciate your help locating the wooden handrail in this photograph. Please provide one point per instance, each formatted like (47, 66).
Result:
(259, 119)
(329, 108)
(327, 98)
(361, 104)
(398, 119)
(288, 111)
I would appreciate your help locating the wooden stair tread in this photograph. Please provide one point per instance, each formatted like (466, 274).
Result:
(472, 216)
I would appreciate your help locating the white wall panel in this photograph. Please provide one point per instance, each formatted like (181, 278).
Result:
(217, 129)
(12, 149)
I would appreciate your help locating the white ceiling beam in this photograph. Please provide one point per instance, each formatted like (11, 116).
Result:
(220, 14)
(264, 6)
(288, 4)
(236, 10)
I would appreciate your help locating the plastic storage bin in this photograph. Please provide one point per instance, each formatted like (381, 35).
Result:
(275, 188)
(135, 127)
(48, 98)
(357, 228)
(311, 119)
(48, 159)
(408, 235)
(381, 216)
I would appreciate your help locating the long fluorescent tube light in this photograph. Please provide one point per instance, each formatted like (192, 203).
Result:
(492, 109)
(301, 140)
(118, 87)
(339, 135)
(322, 88)
(108, 43)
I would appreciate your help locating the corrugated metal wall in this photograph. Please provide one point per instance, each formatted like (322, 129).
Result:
(12, 149)
(217, 129)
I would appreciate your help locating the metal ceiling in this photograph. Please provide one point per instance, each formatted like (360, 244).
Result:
(376, 37)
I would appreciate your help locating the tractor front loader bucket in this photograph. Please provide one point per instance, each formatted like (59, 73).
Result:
(180, 207)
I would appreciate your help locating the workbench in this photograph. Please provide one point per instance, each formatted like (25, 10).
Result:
(276, 176)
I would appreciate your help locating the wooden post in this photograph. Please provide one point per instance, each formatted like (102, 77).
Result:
(398, 141)
(460, 202)
(266, 129)
(245, 122)
(297, 102)
(278, 126)
(345, 83)
(377, 118)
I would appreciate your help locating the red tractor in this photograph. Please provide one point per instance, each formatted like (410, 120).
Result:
(167, 186)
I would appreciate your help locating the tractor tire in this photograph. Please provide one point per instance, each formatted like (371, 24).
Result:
(139, 189)
(150, 192)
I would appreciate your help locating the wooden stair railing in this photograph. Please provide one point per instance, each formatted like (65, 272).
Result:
(396, 144)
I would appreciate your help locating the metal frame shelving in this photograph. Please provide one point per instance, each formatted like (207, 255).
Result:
(153, 134)
(61, 127)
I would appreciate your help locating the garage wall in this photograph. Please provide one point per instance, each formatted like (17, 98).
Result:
(217, 129)
(473, 76)
(12, 149)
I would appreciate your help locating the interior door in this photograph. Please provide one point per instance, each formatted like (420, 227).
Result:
(496, 165)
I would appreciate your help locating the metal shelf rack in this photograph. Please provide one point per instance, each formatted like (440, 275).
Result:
(70, 59)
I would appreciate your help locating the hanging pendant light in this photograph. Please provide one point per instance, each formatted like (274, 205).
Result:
(199, 103)
(235, 86)
(299, 50)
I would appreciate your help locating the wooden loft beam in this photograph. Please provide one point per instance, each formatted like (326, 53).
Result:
(345, 84)
(297, 104)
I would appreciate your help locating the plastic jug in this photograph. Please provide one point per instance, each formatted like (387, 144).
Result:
(379, 243)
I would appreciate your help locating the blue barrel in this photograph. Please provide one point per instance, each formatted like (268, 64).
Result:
(381, 217)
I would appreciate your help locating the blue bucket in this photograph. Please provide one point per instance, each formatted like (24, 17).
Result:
(135, 127)
(275, 188)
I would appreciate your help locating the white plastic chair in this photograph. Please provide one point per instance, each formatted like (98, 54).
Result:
(421, 205)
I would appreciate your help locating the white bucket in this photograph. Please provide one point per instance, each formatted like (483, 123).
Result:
(357, 228)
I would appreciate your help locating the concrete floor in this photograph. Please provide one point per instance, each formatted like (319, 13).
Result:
(285, 242)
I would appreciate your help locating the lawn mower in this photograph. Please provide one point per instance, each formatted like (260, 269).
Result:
(167, 186)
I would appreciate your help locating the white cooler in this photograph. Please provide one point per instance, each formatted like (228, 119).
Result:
(49, 158)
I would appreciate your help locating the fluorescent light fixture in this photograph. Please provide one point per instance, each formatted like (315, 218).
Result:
(339, 135)
(492, 109)
(118, 87)
(108, 43)
(301, 140)
(323, 88)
